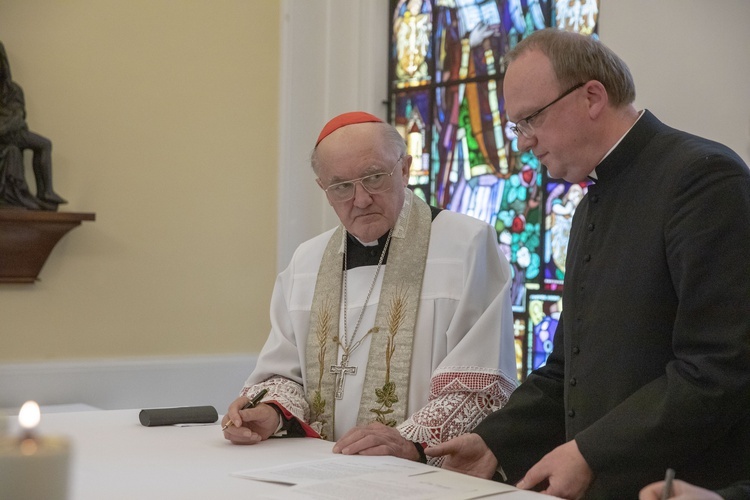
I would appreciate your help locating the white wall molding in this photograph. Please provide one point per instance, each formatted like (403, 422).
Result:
(121, 383)
(333, 60)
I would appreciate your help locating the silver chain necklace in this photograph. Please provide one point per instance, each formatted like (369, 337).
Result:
(343, 368)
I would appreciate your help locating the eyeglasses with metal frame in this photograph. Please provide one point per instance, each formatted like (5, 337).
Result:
(525, 128)
(374, 183)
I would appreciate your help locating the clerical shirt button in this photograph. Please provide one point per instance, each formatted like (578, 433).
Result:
(573, 381)
(591, 227)
(571, 413)
(587, 257)
(576, 350)
(373, 253)
(594, 198)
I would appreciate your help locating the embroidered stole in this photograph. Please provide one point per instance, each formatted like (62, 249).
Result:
(386, 386)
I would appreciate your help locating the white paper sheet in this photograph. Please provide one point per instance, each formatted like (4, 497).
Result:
(371, 478)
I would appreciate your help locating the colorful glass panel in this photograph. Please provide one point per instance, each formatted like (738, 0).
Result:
(560, 204)
(411, 47)
(519, 337)
(544, 314)
(446, 98)
(411, 116)
(577, 15)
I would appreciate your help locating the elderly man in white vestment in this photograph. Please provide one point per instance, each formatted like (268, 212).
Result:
(390, 332)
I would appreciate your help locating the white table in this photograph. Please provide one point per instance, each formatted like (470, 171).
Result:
(115, 457)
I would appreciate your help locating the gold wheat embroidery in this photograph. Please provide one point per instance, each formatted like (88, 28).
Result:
(387, 396)
(323, 325)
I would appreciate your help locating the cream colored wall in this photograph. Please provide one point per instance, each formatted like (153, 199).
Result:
(163, 116)
(690, 63)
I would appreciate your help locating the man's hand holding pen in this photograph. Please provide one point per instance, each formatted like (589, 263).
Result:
(249, 422)
(251, 403)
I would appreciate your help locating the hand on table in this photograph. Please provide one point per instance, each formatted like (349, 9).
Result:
(376, 439)
(563, 469)
(466, 453)
(250, 426)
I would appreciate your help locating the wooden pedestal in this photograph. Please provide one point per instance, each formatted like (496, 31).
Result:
(28, 236)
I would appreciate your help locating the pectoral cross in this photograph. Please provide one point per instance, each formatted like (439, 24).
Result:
(342, 371)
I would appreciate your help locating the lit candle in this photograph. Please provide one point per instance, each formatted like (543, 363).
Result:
(33, 467)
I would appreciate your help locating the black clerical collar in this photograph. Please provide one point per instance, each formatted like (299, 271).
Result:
(359, 255)
(624, 152)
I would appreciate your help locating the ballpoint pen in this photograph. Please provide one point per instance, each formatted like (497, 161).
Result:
(668, 478)
(250, 404)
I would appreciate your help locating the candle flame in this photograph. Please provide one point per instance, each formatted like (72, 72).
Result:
(29, 415)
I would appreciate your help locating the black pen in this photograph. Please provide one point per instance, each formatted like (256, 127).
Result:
(250, 404)
(667, 491)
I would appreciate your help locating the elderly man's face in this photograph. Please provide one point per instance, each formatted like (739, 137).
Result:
(559, 138)
(356, 151)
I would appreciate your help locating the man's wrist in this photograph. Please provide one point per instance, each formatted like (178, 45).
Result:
(281, 430)
(281, 424)
(420, 450)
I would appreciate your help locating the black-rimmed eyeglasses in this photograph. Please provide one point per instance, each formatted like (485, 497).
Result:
(373, 184)
(525, 128)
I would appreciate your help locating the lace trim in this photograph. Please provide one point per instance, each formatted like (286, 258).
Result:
(458, 401)
(285, 392)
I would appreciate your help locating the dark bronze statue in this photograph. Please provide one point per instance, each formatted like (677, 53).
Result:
(15, 138)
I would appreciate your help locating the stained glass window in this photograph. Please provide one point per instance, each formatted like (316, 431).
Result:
(446, 98)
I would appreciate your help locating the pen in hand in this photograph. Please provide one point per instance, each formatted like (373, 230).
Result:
(251, 404)
(668, 478)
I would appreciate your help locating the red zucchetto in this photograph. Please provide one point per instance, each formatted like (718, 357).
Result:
(345, 119)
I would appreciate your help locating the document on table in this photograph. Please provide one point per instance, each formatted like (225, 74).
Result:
(365, 478)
